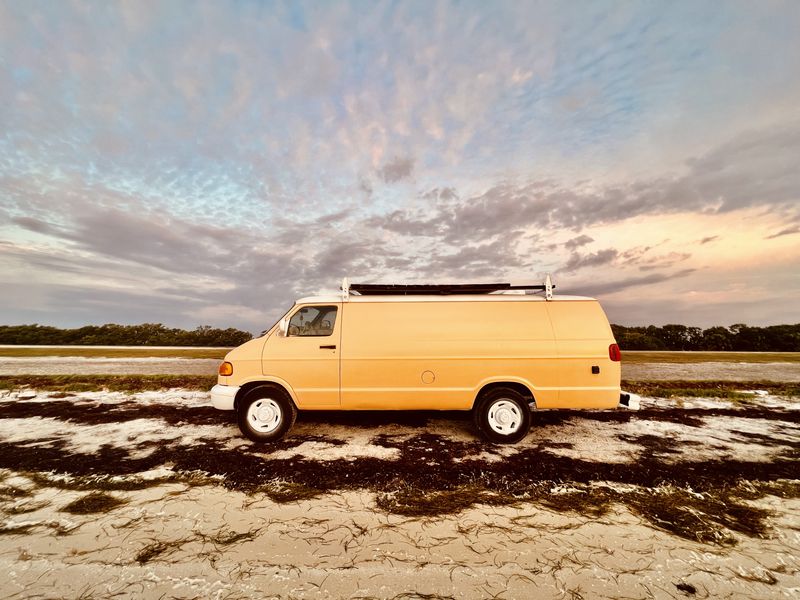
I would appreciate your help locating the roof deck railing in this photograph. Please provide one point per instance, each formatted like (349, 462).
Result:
(394, 289)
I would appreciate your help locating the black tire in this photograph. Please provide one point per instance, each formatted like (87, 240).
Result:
(515, 408)
(276, 402)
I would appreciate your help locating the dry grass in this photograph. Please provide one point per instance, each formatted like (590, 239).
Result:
(647, 356)
(112, 383)
(709, 389)
(109, 352)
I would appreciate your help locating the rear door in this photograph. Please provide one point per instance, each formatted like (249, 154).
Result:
(308, 357)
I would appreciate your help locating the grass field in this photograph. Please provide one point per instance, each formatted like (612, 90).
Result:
(646, 356)
(112, 383)
(112, 352)
(629, 356)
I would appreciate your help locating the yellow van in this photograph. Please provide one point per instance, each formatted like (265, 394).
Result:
(493, 349)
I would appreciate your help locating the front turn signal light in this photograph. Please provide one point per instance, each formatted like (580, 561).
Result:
(226, 369)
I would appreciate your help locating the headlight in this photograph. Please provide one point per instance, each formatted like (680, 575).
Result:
(226, 369)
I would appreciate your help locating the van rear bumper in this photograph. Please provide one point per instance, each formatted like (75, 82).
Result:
(222, 396)
(629, 400)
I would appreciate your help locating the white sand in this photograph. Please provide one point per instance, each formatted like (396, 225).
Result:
(339, 546)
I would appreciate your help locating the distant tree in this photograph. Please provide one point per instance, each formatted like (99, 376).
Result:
(775, 338)
(642, 341)
(111, 334)
(717, 338)
(741, 337)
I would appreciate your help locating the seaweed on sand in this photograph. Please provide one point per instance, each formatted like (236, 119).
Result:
(15, 529)
(592, 501)
(703, 517)
(414, 502)
(287, 491)
(154, 550)
(432, 474)
(96, 502)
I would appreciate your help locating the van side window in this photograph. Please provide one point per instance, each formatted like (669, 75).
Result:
(313, 321)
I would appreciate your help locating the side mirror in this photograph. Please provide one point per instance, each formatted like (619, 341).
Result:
(283, 327)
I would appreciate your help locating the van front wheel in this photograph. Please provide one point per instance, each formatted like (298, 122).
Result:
(266, 414)
(502, 416)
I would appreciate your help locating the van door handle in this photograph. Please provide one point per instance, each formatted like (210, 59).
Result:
(327, 347)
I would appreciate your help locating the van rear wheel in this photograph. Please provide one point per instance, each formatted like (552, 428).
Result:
(502, 416)
(266, 414)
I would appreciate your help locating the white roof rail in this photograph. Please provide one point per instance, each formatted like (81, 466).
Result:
(373, 289)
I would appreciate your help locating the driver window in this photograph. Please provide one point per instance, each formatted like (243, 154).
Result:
(312, 321)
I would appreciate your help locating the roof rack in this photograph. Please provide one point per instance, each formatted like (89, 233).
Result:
(380, 289)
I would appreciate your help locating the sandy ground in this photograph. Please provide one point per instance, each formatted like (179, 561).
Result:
(341, 547)
(59, 365)
(79, 365)
(727, 371)
(585, 510)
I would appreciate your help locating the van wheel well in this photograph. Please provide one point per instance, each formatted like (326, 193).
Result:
(514, 385)
(255, 384)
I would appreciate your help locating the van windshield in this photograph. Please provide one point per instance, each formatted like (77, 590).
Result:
(271, 327)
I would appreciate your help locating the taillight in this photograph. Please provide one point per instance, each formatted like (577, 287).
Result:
(614, 353)
(226, 369)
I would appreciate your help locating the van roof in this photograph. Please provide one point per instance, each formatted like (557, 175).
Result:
(508, 297)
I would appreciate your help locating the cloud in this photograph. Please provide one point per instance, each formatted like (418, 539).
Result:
(35, 225)
(577, 242)
(397, 169)
(641, 257)
(589, 288)
(788, 231)
(248, 156)
(601, 257)
(750, 170)
(664, 261)
(492, 259)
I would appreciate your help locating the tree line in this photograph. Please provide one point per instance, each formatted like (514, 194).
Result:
(775, 338)
(146, 334)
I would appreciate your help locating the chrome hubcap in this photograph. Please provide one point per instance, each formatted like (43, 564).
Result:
(505, 417)
(264, 415)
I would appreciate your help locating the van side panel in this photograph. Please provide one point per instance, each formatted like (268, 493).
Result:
(582, 337)
(437, 355)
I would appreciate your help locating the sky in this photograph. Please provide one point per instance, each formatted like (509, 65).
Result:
(193, 163)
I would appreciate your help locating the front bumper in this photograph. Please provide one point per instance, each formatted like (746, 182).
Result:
(222, 396)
